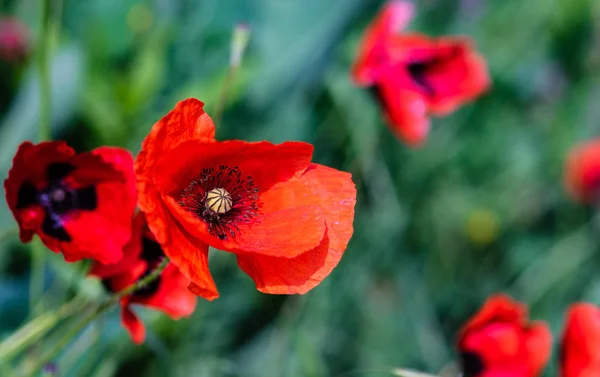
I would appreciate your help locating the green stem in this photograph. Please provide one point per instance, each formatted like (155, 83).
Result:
(229, 79)
(44, 45)
(36, 284)
(64, 341)
(35, 329)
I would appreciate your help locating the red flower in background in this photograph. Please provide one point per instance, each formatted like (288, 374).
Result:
(414, 75)
(288, 220)
(78, 204)
(499, 341)
(168, 293)
(582, 172)
(580, 345)
(14, 40)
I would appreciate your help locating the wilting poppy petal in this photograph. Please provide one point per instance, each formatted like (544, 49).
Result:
(580, 344)
(582, 172)
(168, 293)
(134, 326)
(499, 341)
(246, 198)
(80, 205)
(334, 191)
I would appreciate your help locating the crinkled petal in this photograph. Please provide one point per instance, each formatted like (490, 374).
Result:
(336, 195)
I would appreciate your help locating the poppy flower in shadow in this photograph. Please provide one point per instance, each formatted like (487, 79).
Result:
(287, 220)
(168, 293)
(580, 345)
(582, 172)
(414, 76)
(500, 341)
(78, 204)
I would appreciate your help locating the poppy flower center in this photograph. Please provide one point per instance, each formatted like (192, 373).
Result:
(223, 198)
(218, 200)
(472, 364)
(57, 198)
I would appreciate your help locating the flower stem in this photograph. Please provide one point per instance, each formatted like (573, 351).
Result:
(62, 342)
(239, 42)
(36, 283)
(36, 329)
(44, 73)
(36, 287)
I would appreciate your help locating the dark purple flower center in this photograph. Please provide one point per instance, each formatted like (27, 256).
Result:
(222, 198)
(58, 199)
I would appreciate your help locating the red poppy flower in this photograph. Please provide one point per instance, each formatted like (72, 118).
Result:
(414, 76)
(288, 220)
(168, 293)
(78, 204)
(582, 172)
(500, 342)
(580, 346)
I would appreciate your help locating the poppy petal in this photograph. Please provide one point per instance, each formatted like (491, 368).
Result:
(337, 197)
(104, 227)
(405, 111)
(459, 75)
(580, 344)
(29, 170)
(582, 172)
(134, 326)
(266, 163)
(131, 252)
(187, 121)
(190, 255)
(538, 342)
(271, 234)
(497, 308)
(172, 297)
(373, 56)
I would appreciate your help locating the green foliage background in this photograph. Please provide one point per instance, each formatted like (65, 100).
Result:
(480, 209)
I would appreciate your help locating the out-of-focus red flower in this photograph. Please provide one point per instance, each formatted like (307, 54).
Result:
(582, 172)
(288, 220)
(499, 341)
(78, 204)
(414, 76)
(168, 293)
(14, 40)
(580, 345)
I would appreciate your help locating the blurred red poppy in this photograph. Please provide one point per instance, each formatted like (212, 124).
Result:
(582, 172)
(499, 341)
(414, 76)
(14, 40)
(168, 293)
(78, 204)
(580, 345)
(288, 220)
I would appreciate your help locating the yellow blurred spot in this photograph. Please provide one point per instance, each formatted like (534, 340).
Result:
(139, 18)
(482, 227)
